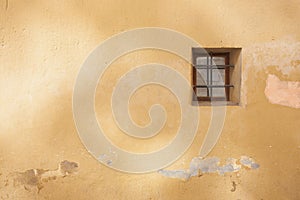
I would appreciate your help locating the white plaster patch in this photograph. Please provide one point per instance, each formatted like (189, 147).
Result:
(230, 166)
(286, 93)
(179, 174)
(200, 166)
(248, 162)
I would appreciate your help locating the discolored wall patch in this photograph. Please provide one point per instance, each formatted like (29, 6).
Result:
(33, 180)
(285, 93)
(282, 53)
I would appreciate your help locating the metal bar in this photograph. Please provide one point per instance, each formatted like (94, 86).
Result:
(214, 66)
(212, 86)
(211, 76)
(227, 77)
(207, 75)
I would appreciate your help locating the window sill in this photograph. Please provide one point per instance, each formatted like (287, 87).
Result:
(214, 103)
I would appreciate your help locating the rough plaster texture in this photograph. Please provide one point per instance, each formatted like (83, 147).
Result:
(42, 46)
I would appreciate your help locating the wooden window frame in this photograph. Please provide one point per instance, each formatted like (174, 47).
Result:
(226, 67)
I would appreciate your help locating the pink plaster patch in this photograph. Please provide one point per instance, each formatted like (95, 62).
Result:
(286, 93)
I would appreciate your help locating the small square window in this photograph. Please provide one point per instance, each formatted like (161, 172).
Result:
(216, 75)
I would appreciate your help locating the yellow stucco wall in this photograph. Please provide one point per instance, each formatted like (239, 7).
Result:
(44, 43)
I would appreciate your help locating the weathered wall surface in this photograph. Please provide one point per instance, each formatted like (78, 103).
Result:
(44, 43)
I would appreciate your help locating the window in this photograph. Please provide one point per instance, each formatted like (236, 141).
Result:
(216, 76)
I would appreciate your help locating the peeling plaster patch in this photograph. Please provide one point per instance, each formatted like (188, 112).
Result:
(230, 166)
(200, 166)
(35, 177)
(248, 162)
(29, 178)
(286, 93)
(65, 168)
(208, 165)
(284, 53)
(179, 174)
